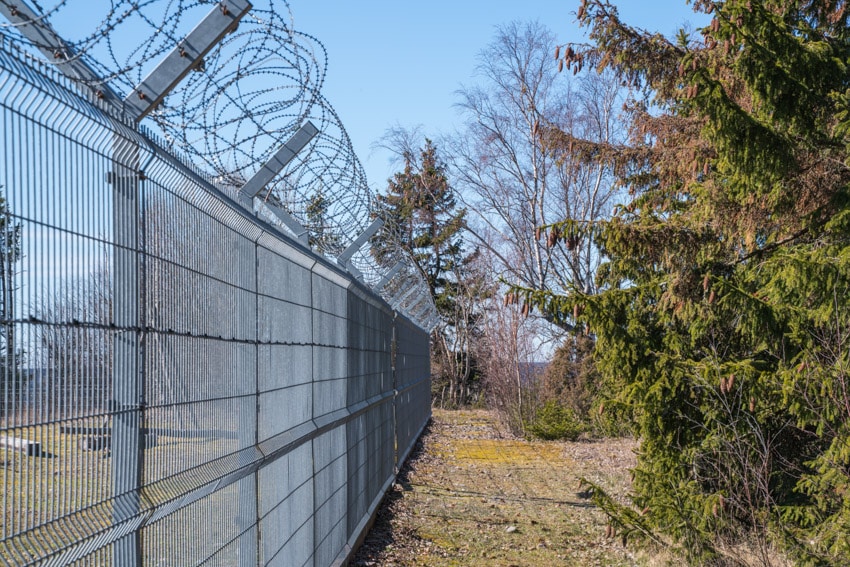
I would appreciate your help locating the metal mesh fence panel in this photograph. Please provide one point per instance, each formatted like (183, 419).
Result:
(182, 383)
(413, 385)
(286, 509)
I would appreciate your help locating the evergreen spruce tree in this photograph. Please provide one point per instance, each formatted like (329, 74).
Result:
(319, 235)
(723, 325)
(421, 217)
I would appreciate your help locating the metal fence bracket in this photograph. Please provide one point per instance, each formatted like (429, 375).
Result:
(290, 222)
(186, 55)
(283, 156)
(389, 276)
(358, 243)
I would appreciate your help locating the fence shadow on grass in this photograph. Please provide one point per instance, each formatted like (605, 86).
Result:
(383, 532)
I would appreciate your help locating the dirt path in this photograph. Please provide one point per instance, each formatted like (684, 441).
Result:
(472, 495)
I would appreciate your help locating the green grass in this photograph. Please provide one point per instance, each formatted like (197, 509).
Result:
(65, 494)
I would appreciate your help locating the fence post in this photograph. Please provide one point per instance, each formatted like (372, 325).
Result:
(127, 392)
(394, 371)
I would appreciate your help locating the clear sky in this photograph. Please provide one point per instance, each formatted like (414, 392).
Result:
(399, 63)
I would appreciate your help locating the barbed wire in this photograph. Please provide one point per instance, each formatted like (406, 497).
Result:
(250, 94)
(246, 99)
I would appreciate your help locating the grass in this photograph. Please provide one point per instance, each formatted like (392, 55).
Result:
(65, 495)
(473, 495)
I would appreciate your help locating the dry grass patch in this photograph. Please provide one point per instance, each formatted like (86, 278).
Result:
(473, 495)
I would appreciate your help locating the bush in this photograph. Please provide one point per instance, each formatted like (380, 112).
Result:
(554, 421)
(571, 378)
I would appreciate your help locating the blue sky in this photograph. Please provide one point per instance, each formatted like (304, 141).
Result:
(399, 62)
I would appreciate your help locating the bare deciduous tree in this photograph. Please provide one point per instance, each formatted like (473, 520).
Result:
(74, 347)
(512, 182)
(507, 353)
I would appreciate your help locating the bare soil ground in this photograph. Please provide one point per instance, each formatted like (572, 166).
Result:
(471, 494)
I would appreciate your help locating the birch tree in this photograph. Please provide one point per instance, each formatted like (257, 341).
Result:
(510, 179)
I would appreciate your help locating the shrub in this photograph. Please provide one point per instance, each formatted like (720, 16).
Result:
(554, 421)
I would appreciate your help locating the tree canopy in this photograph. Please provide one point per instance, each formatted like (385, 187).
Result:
(724, 316)
(421, 217)
(512, 182)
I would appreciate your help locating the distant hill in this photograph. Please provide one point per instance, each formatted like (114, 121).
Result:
(532, 370)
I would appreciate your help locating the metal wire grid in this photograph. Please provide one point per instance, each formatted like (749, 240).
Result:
(254, 89)
(408, 293)
(56, 347)
(412, 365)
(212, 306)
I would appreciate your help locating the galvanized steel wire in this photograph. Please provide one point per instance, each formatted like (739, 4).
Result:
(228, 117)
(173, 359)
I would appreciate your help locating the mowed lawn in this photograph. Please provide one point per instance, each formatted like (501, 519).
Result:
(472, 494)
